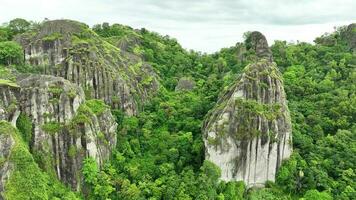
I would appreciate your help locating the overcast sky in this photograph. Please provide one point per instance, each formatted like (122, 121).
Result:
(203, 25)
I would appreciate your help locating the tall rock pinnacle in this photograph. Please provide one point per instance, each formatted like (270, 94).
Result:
(248, 133)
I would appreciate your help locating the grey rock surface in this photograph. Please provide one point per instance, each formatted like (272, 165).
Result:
(248, 134)
(70, 50)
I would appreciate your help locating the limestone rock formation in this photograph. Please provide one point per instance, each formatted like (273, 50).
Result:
(257, 42)
(8, 103)
(185, 83)
(70, 50)
(350, 36)
(7, 142)
(66, 127)
(248, 133)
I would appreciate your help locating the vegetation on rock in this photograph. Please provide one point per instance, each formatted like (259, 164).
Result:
(160, 151)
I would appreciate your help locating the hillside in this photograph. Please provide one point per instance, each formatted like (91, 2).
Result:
(112, 112)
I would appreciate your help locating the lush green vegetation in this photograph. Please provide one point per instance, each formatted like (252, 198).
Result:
(10, 53)
(320, 84)
(27, 181)
(160, 152)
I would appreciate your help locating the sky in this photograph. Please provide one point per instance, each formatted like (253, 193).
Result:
(202, 25)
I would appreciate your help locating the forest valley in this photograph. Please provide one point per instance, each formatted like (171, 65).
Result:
(112, 112)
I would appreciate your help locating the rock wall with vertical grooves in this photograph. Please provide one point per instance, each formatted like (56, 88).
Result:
(69, 49)
(248, 133)
(65, 127)
(7, 142)
(8, 102)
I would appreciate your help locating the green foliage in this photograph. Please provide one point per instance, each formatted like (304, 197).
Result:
(56, 91)
(319, 81)
(19, 25)
(97, 106)
(90, 170)
(4, 82)
(72, 151)
(51, 127)
(10, 53)
(316, 195)
(160, 152)
(5, 34)
(24, 125)
(27, 181)
(52, 37)
(234, 190)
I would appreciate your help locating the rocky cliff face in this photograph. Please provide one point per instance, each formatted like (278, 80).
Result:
(70, 50)
(7, 142)
(8, 102)
(257, 43)
(66, 106)
(350, 36)
(248, 133)
(66, 128)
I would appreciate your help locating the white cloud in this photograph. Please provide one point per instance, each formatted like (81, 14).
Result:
(201, 25)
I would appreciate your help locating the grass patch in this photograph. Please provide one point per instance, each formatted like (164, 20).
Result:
(4, 82)
(96, 106)
(53, 36)
(51, 127)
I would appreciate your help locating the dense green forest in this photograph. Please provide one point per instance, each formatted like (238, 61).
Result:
(160, 151)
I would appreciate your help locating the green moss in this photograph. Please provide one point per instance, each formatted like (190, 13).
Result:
(263, 85)
(213, 141)
(78, 41)
(51, 127)
(7, 75)
(247, 110)
(27, 181)
(147, 81)
(12, 107)
(2, 161)
(72, 94)
(45, 160)
(138, 50)
(88, 92)
(269, 111)
(101, 137)
(4, 82)
(47, 115)
(55, 90)
(54, 101)
(82, 116)
(115, 99)
(97, 106)
(53, 36)
(72, 152)
(24, 125)
(80, 119)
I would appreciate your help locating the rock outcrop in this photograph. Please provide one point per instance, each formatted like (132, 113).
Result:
(350, 36)
(67, 105)
(7, 142)
(8, 102)
(248, 133)
(70, 50)
(257, 42)
(185, 83)
(65, 127)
